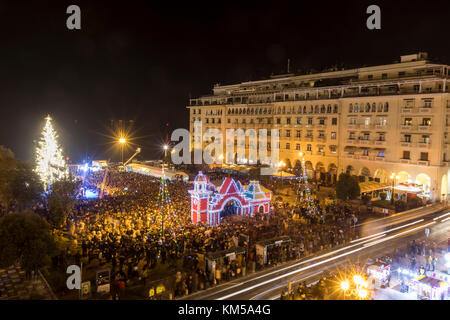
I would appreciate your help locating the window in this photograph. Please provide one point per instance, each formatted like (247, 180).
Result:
(334, 121)
(382, 137)
(374, 107)
(407, 138)
(219, 120)
(251, 121)
(386, 107)
(367, 107)
(384, 76)
(288, 133)
(322, 121)
(406, 155)
(193, 111)
(298, 134)
(370, 76)
(424, 156)
(426, 139)
(299, 120)
(401, 74)
(309, 134)
(333, 149)
(352, 121)
(308, 147)
(335, 108)
(351, 136)
(426, 122)
(310, 121)
(243, 121)
(408, 122)
(365, 152)
(333, 136)
(207, 120)
(321, 134)
(229, 120)
(278, 120)
(356, 108)
(288, 146)
(297, 146)
(380, 153)
(288, 120)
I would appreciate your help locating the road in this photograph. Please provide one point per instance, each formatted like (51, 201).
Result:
(383, 236)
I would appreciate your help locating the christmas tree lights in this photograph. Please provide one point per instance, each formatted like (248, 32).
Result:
(50, 163)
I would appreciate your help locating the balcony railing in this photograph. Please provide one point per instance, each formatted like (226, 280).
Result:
(424, 127)
(406, 127)
(365, 141)
(423, 144)
(379, 142)
(423, 162)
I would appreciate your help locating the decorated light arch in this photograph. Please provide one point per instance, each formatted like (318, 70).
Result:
(208, 202)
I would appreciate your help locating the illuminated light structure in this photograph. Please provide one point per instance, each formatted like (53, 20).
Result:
(50, 163)
(208, 202)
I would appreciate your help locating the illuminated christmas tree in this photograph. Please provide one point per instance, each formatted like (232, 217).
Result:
(50, 163)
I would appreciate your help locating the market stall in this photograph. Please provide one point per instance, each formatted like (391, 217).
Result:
(429, 288)
(270, 249)
(379, 274)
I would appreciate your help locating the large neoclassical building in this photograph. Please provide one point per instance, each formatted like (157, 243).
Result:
(374, 122)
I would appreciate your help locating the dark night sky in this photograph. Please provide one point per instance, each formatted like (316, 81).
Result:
(140, 60)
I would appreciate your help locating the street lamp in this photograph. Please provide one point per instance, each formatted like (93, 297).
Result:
(393, 178)
(281, 164)
(122, 142)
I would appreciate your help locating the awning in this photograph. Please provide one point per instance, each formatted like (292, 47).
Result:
(370, 186)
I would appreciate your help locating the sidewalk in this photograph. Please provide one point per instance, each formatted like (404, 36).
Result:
(13, 286)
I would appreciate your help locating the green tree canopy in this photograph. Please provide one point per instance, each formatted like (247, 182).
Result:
(26, 238)
(18, 182)
(61, 200)
(347, 187)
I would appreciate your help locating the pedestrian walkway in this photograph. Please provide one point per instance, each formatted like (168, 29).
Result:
(14, 286)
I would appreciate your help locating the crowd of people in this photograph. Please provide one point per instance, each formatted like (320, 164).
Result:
(129, 231)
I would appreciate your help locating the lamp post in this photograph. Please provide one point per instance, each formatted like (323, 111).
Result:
(281, 164)
(393, 178)
(122, 142)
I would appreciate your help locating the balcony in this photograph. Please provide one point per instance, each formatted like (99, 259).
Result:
(423, 144)
(379, 158)
(352, 141)
(379, 142)
(320, 153)
(321, 139)
(406, 161)
(352, 126)
(309, 126)
(364, 157)
(424, 127)
(425, 110)
(320, 126)
(366, 126)
(380, 126)
(406, 144)
(406, 127)
(423, 162)
(408, 110)
(365, 142)
(309, 138)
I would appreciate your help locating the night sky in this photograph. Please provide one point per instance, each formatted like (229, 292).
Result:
(141, 60)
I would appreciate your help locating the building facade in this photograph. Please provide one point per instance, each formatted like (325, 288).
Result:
(374, 122)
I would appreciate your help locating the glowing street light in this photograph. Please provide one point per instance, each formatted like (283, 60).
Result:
(362, 293)
(345, 285)
(122, 142)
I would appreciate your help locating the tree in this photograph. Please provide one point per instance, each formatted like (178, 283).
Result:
(26, 238)
(19, 183)
(298, 168)
(50, 163)
(61, 200)
(347, 187)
